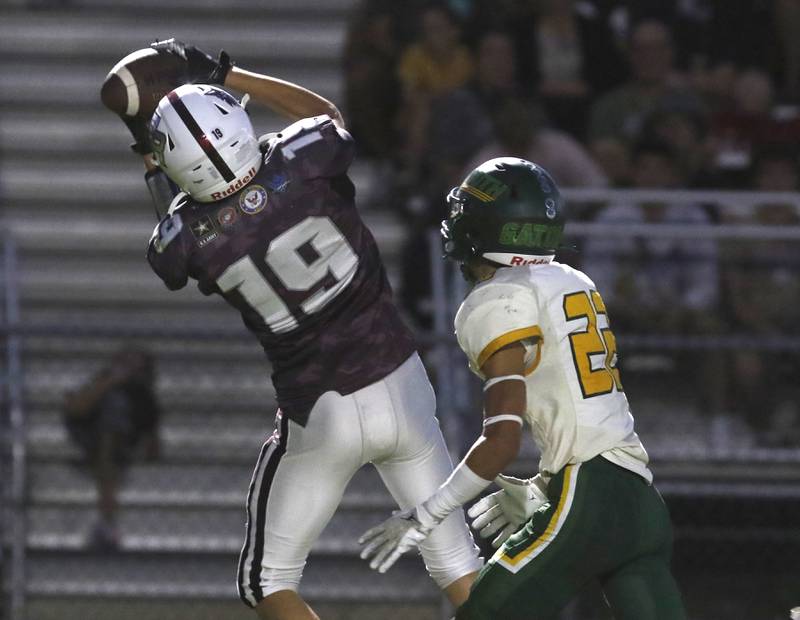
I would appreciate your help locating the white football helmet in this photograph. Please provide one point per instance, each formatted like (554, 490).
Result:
(204, 140)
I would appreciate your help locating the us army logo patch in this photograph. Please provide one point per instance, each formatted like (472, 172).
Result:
(204, 231)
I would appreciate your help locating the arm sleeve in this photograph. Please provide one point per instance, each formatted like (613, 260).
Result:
(315, 147)
(494, 316)
(168, 253)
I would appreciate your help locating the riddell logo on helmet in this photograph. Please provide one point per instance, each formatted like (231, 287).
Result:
(235, 187)
(521, 260)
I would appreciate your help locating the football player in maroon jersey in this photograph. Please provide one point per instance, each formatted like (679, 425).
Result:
(271, 225)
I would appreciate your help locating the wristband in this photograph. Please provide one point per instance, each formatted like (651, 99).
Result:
(503, 417)
(494, 380)
(461, 486)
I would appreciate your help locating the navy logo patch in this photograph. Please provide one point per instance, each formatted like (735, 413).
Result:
(253, 199)
(227, 217)
(203, 231)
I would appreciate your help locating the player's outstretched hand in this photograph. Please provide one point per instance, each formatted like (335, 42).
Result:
(201, 68)
(506, 510)
(401, 532)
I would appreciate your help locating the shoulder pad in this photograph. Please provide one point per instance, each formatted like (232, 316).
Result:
(302, 133)
(179, 201)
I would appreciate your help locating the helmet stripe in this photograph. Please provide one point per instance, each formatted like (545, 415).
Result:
(480, 195)
(200, 136)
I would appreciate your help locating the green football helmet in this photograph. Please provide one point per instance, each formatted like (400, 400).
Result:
(508, 211)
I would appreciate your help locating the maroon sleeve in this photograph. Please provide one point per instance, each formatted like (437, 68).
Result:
(168, 252)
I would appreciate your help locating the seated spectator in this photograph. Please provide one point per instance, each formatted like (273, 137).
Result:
(520, 132)
(751, 122)
(685, 130)
(462, 120)
(109, 418)
(654, 83)
(762, 282)
(663, 286)
(433, 66)
(567, 55)
(372, 89)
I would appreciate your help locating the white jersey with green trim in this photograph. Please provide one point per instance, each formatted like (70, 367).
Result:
(576, 407)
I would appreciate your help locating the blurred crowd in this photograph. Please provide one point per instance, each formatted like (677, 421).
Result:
(644, 94)
(576, 84)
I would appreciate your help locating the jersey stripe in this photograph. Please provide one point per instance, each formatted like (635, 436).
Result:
(505, 339)
(246, 556)
(514, 564)
(250, 564)
(200, 136)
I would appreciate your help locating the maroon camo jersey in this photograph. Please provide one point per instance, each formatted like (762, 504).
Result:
(291, 253)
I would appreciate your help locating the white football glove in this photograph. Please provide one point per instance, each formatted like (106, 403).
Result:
(506, 510)
(401, 532)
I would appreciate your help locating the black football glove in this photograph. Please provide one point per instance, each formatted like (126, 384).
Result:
(200, 67)
(138, 128)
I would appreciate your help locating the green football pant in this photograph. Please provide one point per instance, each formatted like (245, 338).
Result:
(603, 523)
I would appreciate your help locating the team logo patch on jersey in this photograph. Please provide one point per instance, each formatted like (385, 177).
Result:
(278, 183)
(227, 217)
(253, 199)
(204, 231)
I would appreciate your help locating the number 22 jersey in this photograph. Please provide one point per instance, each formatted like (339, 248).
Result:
(576, 407)
(290, 252)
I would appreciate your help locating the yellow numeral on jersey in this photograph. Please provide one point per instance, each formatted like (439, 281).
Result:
(592, 341)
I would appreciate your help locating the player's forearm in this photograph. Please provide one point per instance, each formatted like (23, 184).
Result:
(486, 459)
(285, 98)
(491, 455)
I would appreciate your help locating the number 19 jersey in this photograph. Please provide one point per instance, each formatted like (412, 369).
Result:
(290, 252)
(576, 407)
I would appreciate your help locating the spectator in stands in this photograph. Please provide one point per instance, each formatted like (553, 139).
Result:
(567, 56)
(109, 417)
(372, 89)
(655, 82)
(462, 120)
(520, 131)
(751, 122)
(685, 130)
(436, 64)
(663, 286)
(763, 285)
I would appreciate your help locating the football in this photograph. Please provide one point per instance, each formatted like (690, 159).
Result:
(136, 84)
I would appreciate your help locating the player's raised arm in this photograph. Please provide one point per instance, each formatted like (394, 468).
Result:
(290, 100)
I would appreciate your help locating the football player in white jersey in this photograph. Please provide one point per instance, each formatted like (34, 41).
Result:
(538, 334)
